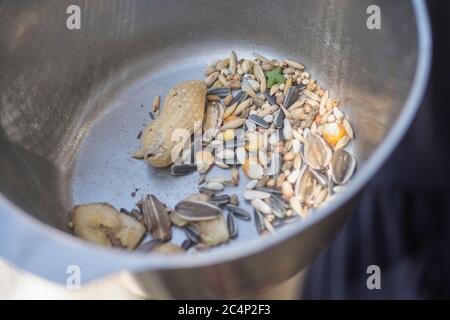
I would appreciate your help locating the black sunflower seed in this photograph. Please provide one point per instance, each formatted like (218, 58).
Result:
(279, 119)
(291, 96)
(232, 226)
(259, 221)
(258, 121)
(187, 244)
(221, 92)
(241, 96)
(182, 169)
(238, 212)
(277, 209)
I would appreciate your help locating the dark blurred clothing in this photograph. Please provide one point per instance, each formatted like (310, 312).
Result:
(402, 223)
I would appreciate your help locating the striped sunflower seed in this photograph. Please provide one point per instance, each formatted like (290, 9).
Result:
(238, 212)
(232, 226)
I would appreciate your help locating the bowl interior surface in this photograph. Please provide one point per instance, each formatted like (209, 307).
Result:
(73, 101)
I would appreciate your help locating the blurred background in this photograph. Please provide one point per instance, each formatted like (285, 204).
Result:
(402, 223)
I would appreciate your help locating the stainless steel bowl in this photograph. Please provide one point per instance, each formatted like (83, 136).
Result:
(72, 102)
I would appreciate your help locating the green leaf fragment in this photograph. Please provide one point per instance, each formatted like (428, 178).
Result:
(275, 77)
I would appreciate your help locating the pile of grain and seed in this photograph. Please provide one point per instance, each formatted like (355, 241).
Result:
(269, 118)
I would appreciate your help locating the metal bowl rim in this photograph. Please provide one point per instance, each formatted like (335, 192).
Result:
(139, 261)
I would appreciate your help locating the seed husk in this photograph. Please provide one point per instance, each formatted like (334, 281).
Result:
(261, 58)
(182, 169)
(287, 190)
(254, 85)
(156, 218)
(235, 176)
(232, 226)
